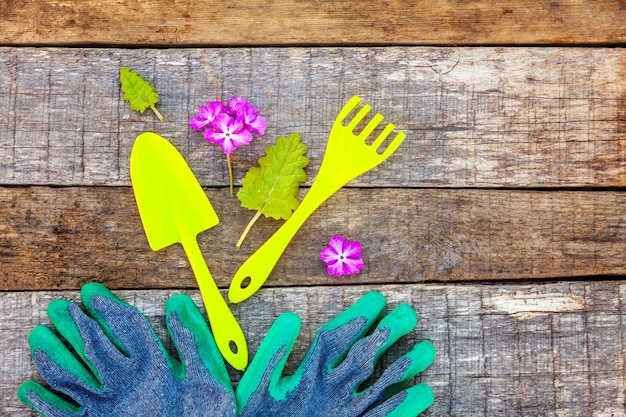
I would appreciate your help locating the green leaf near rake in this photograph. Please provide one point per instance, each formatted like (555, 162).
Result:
(271, 187)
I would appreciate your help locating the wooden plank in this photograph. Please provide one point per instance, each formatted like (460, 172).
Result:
(59, 238)
(517, 350)
(503, 117)
(287, 22)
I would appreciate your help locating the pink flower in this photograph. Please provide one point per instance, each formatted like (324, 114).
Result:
(229, 126)
(237, 104)
(228, 133)
(240, 109)
(206, 115)
(342, 257)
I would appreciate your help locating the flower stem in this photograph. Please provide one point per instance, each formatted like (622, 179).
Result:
(247, 229)
(230, 172)
(159, 115)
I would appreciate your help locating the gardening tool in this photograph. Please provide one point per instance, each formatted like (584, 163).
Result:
(347, 156)
(174, 209)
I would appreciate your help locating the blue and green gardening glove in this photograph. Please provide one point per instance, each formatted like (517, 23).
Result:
(343, 354)
(109, 362)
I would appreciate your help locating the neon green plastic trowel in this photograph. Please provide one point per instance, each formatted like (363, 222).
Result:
(174, 209)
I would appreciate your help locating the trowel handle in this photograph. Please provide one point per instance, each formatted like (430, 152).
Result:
(228, 335)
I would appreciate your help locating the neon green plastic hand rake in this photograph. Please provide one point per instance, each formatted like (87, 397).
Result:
(347, 156)
(174, 209)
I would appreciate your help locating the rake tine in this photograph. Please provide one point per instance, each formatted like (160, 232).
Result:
(347, 108)
(383, 135)
(395, 143)
(391, 148)
(373, 124)
(359, 116)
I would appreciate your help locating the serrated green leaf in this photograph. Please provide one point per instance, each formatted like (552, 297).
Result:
(138, 92)
(271, 188)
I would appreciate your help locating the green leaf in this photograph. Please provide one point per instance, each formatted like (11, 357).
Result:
(271, 188)
(138, 92)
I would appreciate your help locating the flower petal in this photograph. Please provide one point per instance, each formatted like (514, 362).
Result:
(336, 243)
(352, 250)
(352, 266)
(214, 137)
(229, 126)
(241, 109)
(206, 115)
(234, 140)
(342, 257)
(328, 255)
(212, 109)
(223, 123)
(237, 105)
(198, 123)
(335, 269)
(258, 125)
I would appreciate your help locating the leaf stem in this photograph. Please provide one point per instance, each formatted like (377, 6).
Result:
(230, 172)
(247, 229)
(159, 115)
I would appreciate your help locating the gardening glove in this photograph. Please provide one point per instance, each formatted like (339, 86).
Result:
(110, 362)
(328, 383)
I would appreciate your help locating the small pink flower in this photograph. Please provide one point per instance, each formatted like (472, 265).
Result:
(342, 257)
(229, 133)
(206, 115)
(242, 110)
(229, 126)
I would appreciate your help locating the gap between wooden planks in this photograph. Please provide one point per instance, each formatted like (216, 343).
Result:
(59, 238)
(501, 354)
(309, 22)
(501, 350)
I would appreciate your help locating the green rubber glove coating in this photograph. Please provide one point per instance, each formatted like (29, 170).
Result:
(107, 360)
(341, 358)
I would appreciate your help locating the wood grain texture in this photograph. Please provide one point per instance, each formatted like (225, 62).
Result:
(288, 22)
(501, 219)
(515, 350)
(59, 238)
(503, 117)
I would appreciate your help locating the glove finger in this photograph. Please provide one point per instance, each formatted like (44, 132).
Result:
(338, 336)
(104, 357)
(45, 402)
(419, 358)
(360, 362)
(193, 339)
(58, 365)
(268, 364)
(408, 403)
(405, 368)
(124, 324)
(399, 322)
(335, 339)
(365, 353)
(65, 324)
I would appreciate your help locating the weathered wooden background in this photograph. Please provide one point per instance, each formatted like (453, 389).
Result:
(501, 219)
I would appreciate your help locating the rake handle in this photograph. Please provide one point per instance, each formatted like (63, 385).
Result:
(346, 157)
(227, 332)
(256, 269)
